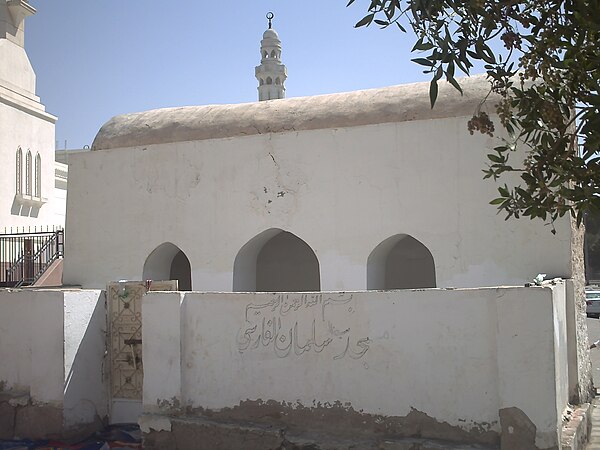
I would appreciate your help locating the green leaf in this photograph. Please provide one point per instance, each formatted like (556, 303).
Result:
(497, 201)
(495, 158)
(401, 27)
(422, 46)
(454, 83)
(423, 62)
(450, 71)
(433, 92)
(365, 21)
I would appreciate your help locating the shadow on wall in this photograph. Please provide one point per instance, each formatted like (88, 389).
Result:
(276, 261)
(19, 209)
(169, 262)
(400, 262)
(85, 400)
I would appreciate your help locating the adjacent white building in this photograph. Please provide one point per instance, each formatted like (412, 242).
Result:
(33, 185)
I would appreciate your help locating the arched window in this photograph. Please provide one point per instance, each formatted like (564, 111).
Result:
(266, 55)
(277, 81)
(269, 80)
(276, 261)
(28, 173)
(38, 176)
(168, 262)
(400, 262)
(261, 82)
(273, 54)
(19, 172)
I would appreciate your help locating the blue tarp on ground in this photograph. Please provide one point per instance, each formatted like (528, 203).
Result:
(114, 437)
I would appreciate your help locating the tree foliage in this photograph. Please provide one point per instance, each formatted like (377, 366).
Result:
(542, 59)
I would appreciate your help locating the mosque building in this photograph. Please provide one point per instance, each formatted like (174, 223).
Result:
(327, 267)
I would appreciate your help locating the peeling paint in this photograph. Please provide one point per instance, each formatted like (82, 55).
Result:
(341, 419)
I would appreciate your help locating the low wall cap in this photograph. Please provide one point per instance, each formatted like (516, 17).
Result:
(350, 109)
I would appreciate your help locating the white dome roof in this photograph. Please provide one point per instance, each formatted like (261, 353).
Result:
(407, 102)
(270, 33)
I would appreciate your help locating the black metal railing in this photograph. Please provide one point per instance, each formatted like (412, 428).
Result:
(24, 257)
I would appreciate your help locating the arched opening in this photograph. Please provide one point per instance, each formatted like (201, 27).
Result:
(261, 81)
(400, 262)
(19, 171)
(28, 173)
(168, 262)
(266, 54)
(273, 54)
(277, 81)
(276, 261)
(38, 176)
(269, 80)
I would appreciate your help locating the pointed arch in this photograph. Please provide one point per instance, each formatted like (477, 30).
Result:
(269, 80)
(277, 81)
(38, 176)
(168, 262)
(266, 54)
(28, 173)
(400, 262)
(276, 261)
(261, 81)
(273, 54)
(19, 171)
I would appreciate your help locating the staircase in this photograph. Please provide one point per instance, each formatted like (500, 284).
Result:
(25, 257)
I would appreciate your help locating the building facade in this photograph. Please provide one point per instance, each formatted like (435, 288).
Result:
(33, 189)
(33, 185)
(346, 185)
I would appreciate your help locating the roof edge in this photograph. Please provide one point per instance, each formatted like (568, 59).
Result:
(400, 103)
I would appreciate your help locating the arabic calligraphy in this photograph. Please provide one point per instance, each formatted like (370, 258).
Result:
(301, 323)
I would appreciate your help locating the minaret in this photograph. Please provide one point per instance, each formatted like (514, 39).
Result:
(15, 69)
(271, 74)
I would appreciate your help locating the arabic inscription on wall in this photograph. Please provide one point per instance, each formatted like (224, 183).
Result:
(297, 324)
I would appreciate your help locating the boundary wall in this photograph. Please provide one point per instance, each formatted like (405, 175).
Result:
(485, 366)
(52, 345)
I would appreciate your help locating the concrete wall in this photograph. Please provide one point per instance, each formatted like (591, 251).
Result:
(341, 190)
(52, 345)
(479, 365)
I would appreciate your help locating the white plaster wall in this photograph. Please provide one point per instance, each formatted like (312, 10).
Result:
(60, 206)
(17, 73)
(342, 190)
(532, 358)
(85, 390)
(562, 351)
(457, 355)
(52, 346)
(31, 343)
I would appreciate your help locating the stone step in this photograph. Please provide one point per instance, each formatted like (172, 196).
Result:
(576, 431)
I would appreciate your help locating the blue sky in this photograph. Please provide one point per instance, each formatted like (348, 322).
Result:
(97, 59)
